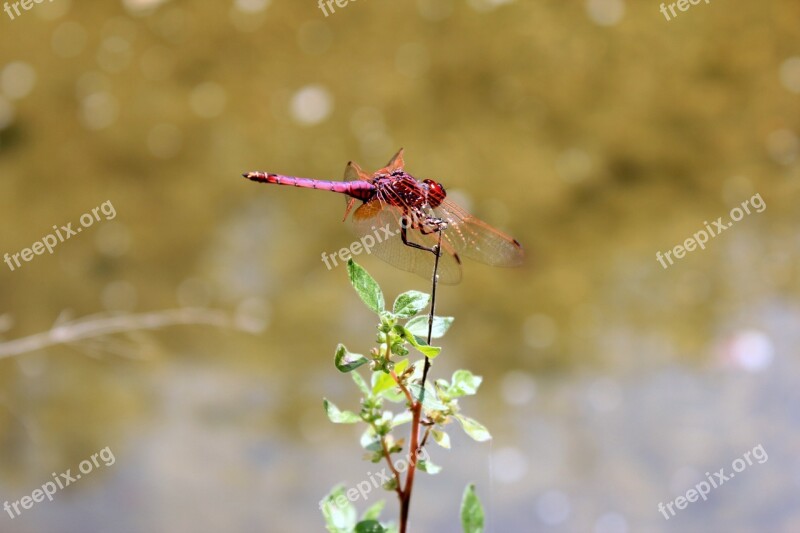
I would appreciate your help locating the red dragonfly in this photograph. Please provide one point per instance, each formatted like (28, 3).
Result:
(395, 203)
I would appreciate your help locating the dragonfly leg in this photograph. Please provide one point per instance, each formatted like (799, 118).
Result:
(429, 225)
(404, 235)
(435, 224)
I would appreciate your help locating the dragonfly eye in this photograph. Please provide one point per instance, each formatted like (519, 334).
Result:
(436, 193)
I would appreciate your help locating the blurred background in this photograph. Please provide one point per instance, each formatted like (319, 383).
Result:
(596, 132)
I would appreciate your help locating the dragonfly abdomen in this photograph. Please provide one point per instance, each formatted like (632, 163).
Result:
(362, 190)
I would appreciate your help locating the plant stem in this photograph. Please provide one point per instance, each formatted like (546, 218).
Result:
(438, 252)
(388, 456)
(416, 407)
(403, 388)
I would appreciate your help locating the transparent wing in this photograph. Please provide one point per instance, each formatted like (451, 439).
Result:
(473, 238)
(352, 172)
(379, 222)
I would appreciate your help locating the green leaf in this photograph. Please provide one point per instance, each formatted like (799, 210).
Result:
(369, 526)
(418, 343)
(385, 386)
(429, 467)
(464, 383)
(337, 416)
(361, 384)
(382, 381)
(374, 511)
(346, 361)
(366, 287)
(419, 326)
(410, 303)
(399, 349)
(474, 429)
(403, 418)
(370, 441)
(339, 513)
(430, 402)
(471, 511)
(441, 438)
(394, 395)
(400, 367)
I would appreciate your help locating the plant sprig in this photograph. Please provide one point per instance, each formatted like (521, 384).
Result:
(429, 408)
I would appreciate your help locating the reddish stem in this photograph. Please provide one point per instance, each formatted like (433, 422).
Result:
(416, 406)
(405, 497)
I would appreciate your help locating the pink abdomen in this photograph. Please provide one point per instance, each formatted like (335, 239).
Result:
(361, 190)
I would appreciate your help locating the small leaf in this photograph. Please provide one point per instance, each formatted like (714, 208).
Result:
(339, 513)
(346, 361)
(418, 343)
(369, 526)
(471, 511)
(390, 485)
(361, 384)
(394, 395)
(382, 381)
(430, 402)
(384, 385)
(429, 467)
(400, 367)
(416, 375)
(419, 326)
(464, 383)
(370, 441)
(399, 349)
(441, 438)
(403, 418)
(374, 511)
(366, 287)
(339, 417)
(474, 429)
(423, 348)
(410, 303)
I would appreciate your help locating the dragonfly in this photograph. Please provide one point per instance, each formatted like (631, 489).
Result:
(404, 218)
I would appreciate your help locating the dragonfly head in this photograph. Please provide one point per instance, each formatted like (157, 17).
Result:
(435, 192)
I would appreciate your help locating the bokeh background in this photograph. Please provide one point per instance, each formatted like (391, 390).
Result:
(596, 132)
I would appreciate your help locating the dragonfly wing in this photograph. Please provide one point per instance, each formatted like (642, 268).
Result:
(474, 238)
(353, 172)
(379, 223)
(397, 162)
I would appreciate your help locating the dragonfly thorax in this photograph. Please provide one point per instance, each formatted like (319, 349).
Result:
(404, 190)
